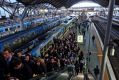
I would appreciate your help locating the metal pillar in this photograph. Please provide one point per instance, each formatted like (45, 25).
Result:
(89, 30)
(22, 17)
(107, 38)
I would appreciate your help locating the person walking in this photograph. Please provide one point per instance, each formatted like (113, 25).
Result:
(77, 67)
(96, 71)
(71, 69)
(93, 38)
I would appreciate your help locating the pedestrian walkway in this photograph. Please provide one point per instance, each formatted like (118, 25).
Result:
(90, 46)
(80, 76)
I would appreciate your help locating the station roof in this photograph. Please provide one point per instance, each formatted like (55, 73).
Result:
(65, 3)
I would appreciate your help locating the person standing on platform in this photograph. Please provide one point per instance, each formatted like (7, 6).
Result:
(77, 67)
(81, 66)
(96, 71)
(20, 55)
(79, 27)
(83, 31)
(20, 70)
(8, 60)
(89, 56)
(71, 69)
(93, 38)
(2, 68)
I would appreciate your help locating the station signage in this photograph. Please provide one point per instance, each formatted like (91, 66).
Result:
(80, 38)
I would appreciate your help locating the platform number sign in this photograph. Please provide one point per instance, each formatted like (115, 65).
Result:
(80, 38)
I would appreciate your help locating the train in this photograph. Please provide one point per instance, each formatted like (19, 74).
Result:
(57, 32)
(17, 40)
(5, 31)
(14, 28)
(114, 22)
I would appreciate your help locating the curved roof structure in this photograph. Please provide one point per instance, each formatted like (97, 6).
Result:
(65, 3)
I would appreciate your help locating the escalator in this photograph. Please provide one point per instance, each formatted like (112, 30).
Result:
(63, 75)
(53, 75)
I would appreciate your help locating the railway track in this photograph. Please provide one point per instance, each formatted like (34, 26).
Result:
(114, 35)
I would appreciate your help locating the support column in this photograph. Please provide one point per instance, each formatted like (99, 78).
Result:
(22, 17)
(107, 38)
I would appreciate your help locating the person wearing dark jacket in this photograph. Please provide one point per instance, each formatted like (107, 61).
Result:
(2, 68)
(77, 67)
(20, 70)
(28, 60)
(8, 58)
(19, 54)
(96, 71)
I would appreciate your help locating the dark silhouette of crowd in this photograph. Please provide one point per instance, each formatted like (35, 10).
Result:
(24, 66)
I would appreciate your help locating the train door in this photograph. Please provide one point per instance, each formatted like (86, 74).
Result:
(42, 51)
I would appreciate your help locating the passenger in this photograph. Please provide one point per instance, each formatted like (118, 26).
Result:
(37, 67)
(43, 67)
(20, 55)
(89, 55)
(72, 56)
(83, 31)
(53, 63)
(48, 64)
(71, 69)
(2, 67)
(81, 66)
(56, 66)
(96, 71)
(77, 67)
(79, 27)
(29, 62)
(88, 25)
(8, 58)
(93, 38)
(62, 63)
(20, 70)
(81, 56)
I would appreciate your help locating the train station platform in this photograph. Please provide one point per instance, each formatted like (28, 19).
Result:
(92, 53)
(92, 60)
(91, 50)
(67, 36)
(90, 46)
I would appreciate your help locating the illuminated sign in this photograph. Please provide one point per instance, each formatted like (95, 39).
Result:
(80, 38)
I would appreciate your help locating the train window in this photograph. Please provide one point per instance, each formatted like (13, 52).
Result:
(14, 42)
(19, 40)
(45, 47)
(12, 28)
(6, 29)
(18, 26)
(42, 50)
(33, 33)
(6, 45)
(1, 31)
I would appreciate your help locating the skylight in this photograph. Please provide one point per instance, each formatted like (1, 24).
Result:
(86, 4)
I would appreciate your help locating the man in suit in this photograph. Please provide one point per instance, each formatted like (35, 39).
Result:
(2, 67)
(7, 61)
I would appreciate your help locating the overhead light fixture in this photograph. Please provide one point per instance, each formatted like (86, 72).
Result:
(112, 51)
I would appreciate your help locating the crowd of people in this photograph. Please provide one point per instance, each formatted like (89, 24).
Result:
(60, 54)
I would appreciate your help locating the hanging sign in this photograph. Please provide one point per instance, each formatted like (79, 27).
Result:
(80, 38)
